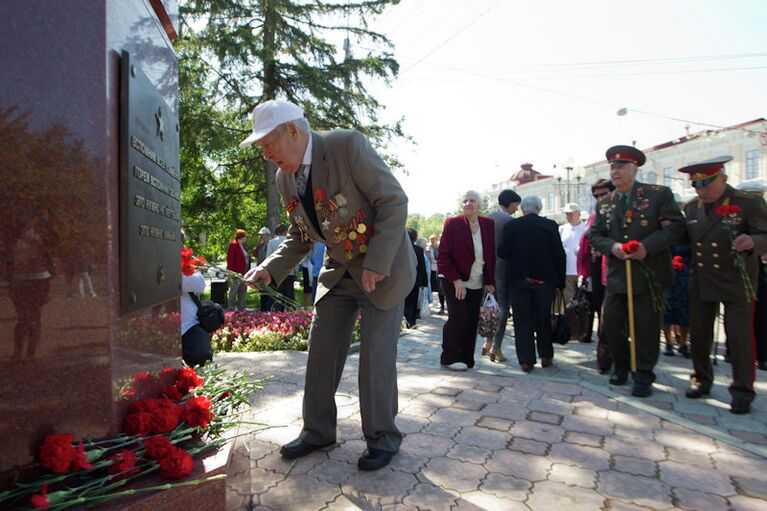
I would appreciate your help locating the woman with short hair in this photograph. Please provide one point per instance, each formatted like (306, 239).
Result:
(467, 265)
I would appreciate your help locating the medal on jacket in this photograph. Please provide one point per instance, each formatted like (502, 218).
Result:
(302, 228)
(292, 204)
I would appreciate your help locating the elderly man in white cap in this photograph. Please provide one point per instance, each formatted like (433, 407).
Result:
(571, 233)
(338, 191)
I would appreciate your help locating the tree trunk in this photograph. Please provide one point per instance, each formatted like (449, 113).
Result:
(270, 92)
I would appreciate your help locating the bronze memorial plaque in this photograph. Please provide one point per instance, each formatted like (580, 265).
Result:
(150, 188)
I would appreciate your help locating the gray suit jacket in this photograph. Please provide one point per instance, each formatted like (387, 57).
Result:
(362, 210)
(501, 218)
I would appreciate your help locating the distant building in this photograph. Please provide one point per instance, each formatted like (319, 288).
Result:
(746, 143)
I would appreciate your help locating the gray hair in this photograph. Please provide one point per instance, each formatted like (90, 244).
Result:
(301, 124)
(472, 193)
(421, 242)
(531, 204)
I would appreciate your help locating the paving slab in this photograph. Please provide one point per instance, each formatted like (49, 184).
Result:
(495, 438)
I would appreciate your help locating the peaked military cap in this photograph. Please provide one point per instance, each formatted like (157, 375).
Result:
(625, 154)
(704, 172)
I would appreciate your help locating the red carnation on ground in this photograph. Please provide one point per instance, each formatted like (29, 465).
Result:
(176, 464)
(57, 453)
(124, 464)
(81, 459)
(164, 420)
(630, 246)
(138, 423)
(144, 385)
(187, 379)
(197, 412)
(157, 447)
(168, 376)
(172, 392)
(40, 500)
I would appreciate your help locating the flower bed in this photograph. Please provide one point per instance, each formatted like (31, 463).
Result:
(267, 331)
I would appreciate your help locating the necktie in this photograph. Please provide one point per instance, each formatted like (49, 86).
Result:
(301, 179)
(624, 198)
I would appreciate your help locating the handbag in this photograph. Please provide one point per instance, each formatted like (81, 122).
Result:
(560, 333)
(577, 312)
(488, 317)
(209, 314)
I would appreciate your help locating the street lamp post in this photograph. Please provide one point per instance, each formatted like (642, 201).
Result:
(568, 169)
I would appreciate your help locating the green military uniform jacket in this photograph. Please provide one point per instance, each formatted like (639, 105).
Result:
(650, 216)
(714, 270)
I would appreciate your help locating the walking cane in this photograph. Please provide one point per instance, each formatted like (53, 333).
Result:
(632, 334)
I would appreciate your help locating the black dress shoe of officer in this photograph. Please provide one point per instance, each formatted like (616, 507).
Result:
(619, 378)
(696, 392)
(298, 448)
(739, 406)
(373, 459)
(762, 365)
(641, 389)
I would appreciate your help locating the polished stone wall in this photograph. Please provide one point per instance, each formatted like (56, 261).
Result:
(65, 349)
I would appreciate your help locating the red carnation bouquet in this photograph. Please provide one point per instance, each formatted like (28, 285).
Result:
(730, 214)
(656, 290)
(163, 430)
(191, 263)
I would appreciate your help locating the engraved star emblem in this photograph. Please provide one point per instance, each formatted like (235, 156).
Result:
(326, 225)
(160, 124)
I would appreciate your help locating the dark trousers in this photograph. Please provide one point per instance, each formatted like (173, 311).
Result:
(760, 316)
(286, 289)
(737, 328)
(411, 307)
(195, 346)
(503, 297)
(647, 328)
(436, 286)
(531, 306)
(459, 334)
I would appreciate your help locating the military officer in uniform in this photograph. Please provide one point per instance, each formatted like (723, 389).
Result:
(646, 213)
(721, 223)
(339, 191)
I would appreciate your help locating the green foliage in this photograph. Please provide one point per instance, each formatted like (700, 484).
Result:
(234, 54)
(426, 226)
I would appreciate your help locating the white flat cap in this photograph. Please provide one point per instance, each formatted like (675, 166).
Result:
(752, 186)
(264, 230)
(270, 114)
(572, 207)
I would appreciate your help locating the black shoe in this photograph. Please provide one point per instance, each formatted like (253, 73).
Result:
(641, 389)
(762, 365)
(373, 459)
(298, 448)
(619, 378)
(669, 351)
(685, 351)
(696, 392)
(739, 406)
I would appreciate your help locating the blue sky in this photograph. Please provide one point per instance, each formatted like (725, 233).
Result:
(486, 85)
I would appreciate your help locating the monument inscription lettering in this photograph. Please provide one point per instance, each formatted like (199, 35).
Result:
(150, 191)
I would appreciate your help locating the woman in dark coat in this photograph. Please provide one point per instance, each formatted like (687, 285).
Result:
(467, 266)
(421, 280)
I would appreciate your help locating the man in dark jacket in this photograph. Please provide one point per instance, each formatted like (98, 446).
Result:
(649, 215)
(535, 267)
(421, 280)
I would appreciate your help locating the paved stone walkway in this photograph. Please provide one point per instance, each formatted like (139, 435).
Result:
(495, 438)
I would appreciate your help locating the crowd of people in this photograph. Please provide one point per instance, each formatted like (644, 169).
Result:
(640, 262)
(685, 264)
